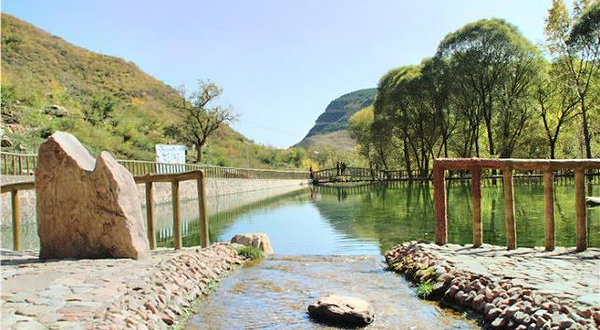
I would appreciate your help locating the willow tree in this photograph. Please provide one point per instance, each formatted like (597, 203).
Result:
(200, 118)
(577, 56)
(493, 63)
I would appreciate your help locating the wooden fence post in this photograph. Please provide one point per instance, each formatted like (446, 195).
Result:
(439, 191)
(16, 221)
(202, 211)
(509, 208)
(150, 215)
(549, 196)
(177, 240)
(476, 200)
(581, 219)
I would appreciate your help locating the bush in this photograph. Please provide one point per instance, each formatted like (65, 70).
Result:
(250, 252)
(424, 290)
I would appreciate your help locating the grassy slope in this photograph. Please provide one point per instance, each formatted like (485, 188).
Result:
(39, 70)
(334, 134)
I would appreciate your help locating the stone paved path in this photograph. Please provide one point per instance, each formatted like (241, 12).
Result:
(74, 294)
(561, 273)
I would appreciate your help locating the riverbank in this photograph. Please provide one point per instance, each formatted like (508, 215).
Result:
(109, 293)
(518, 289)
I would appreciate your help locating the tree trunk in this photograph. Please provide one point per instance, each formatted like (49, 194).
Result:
(586, 131)
(407, 158)
(198, 153)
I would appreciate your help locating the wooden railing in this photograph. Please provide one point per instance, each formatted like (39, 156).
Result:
(25, 164)
(366, 174)
(14, 202)
(141, 167)
(17, 164)
(475, 166)
(148, 180)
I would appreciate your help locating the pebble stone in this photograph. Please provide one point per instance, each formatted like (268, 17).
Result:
(526, 288)
(108, 293)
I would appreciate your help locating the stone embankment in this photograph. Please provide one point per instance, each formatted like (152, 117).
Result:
(109, 293)
(518, 289)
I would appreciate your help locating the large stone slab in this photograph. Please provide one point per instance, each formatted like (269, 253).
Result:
(86, 208)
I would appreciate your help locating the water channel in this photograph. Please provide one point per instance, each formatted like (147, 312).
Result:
(319, 233)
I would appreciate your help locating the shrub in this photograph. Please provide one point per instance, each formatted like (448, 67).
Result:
(250, 252)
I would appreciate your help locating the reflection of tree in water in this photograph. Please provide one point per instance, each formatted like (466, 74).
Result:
(392, 214)
(386, 214)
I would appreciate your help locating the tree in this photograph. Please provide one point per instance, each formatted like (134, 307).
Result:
(576, 58)
(586, 31)
(557, 104)
(200, 118)
(493, 62)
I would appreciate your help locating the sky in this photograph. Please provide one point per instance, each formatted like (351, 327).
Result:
(279, 62)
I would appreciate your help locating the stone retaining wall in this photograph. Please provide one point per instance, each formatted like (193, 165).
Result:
(522, 289)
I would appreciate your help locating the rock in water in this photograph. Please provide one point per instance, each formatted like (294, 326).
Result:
(341, 311)
(86, 208)
(260, 241)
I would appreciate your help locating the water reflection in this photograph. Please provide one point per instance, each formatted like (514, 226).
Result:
(368, 219)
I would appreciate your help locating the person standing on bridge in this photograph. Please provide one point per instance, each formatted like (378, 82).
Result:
(311, 173)
(343, 167)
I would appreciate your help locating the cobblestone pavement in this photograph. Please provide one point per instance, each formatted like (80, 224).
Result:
(523, 289)
(561, 273)
(107, 293)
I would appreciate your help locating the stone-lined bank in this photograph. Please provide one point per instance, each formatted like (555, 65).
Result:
(109, 293)
(518, 289)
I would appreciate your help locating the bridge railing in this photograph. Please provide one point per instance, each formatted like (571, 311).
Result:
(25, 164)
(350, 173)
(508, 166)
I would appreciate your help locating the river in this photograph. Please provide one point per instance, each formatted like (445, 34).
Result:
(330, 241)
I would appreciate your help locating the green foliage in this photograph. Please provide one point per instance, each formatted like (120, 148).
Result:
(100, 110)
(424, 290)
(575, 49)
(488, 92)
(250, 252)
(586, 31)
(200, 120)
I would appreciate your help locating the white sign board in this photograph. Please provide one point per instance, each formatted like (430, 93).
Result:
(170, 154)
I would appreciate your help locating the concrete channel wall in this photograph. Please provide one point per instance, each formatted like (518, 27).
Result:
(162, 193)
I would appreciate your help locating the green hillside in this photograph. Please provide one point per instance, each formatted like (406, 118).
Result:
(334, 120)
(49, 84)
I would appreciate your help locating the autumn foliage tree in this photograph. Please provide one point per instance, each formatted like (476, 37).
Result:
(201, 118)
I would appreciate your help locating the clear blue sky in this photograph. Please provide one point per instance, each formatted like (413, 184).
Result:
(279, 62)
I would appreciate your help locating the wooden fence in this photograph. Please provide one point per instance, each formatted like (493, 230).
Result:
(148, 180)
(548, 167)
(25, 164)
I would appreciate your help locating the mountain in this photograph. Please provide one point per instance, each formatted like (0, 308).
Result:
(49, 84)
(330, 128)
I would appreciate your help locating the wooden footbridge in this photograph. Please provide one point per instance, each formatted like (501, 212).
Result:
(359, 174)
